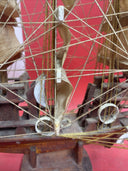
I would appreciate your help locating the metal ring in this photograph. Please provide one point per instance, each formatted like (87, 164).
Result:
(113, 117)
(66, 125)
(43, 119)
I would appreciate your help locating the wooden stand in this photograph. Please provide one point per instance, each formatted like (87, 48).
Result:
(75, 159)
(49, 154)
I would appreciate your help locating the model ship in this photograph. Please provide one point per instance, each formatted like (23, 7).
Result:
(73, 85)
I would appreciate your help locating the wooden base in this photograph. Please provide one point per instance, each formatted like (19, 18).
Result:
(58, 161)
(48, 153)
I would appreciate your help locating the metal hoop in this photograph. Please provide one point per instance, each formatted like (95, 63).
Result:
(114, 116)
(43, 119)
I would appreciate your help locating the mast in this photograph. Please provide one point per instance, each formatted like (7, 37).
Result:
(63, 87)
(54, 55)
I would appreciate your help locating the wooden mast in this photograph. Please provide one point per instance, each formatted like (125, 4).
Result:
(54, 54)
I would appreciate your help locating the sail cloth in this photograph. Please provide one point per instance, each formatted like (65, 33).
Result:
(9, 45)
(64, 87)
(68, 5)
(121, 56)
(10, 8)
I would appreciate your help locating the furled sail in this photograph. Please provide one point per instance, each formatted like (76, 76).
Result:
(9, 8)
(9, 45)
(63, 86)
(121, 33)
